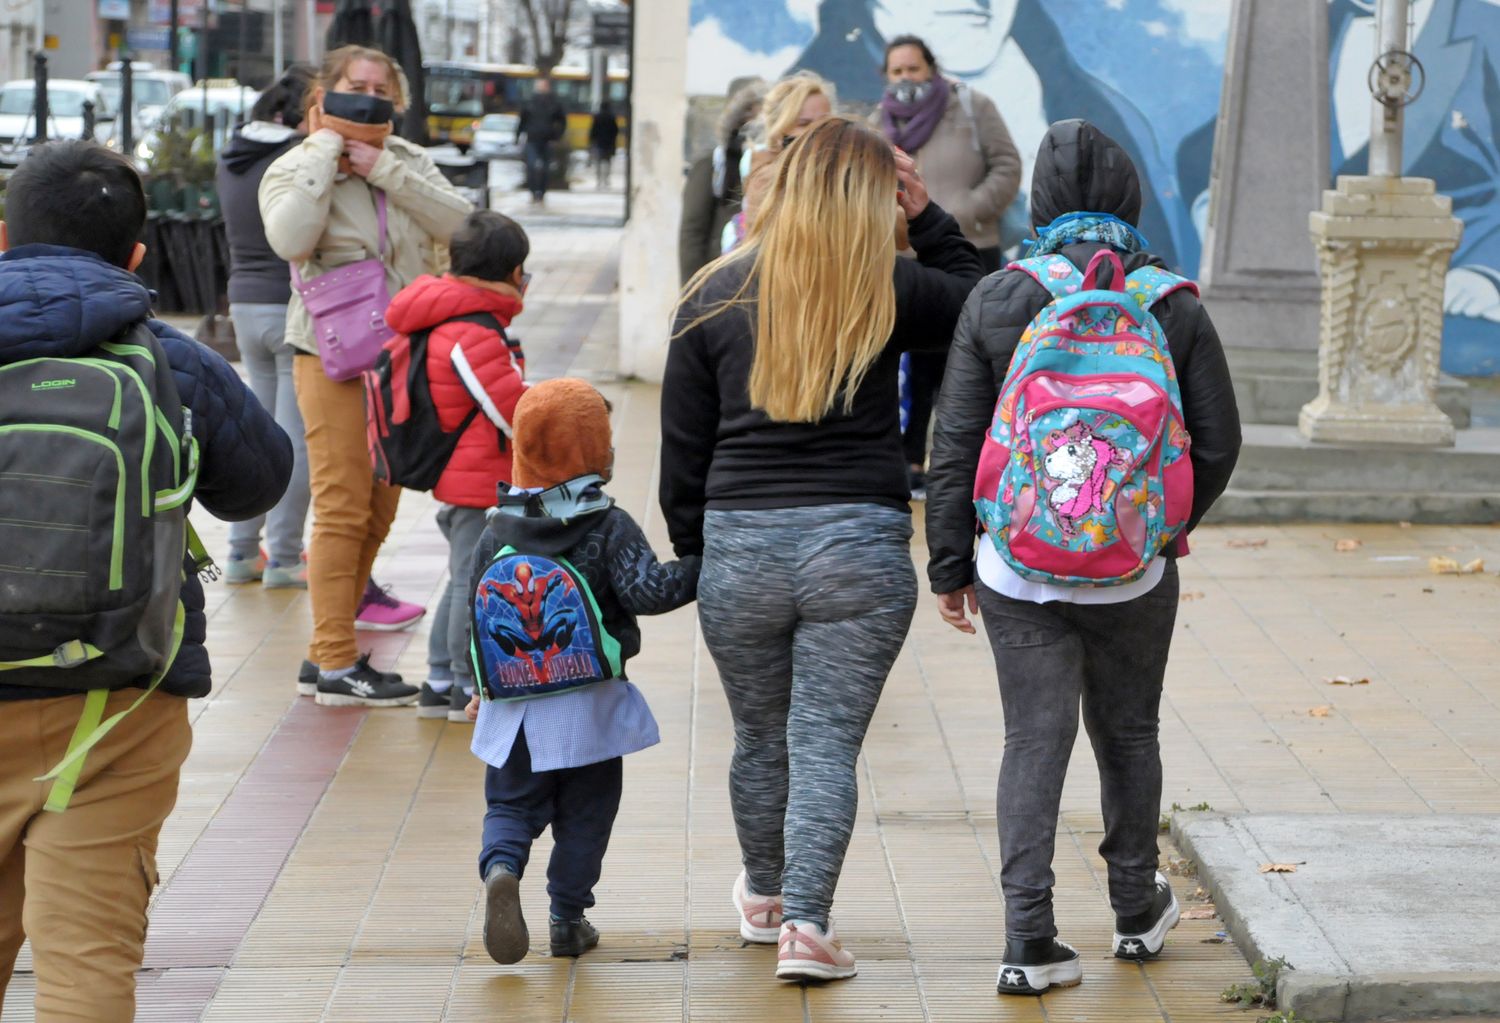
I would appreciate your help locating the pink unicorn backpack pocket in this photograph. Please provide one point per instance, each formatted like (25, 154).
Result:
(1084, 477)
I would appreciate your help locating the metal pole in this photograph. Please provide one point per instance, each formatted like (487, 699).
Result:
(174, 53)
(126, 113)
(39, 84)
(203, 69)
(278, 51)
(239, 73)
(630, 116)
(41, 25)
(1387, 120)
(314, 51)
(88, 120)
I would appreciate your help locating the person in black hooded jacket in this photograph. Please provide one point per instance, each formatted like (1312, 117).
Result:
(260, 284)
(1056, 646)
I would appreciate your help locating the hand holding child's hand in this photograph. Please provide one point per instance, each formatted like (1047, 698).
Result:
(472, 710)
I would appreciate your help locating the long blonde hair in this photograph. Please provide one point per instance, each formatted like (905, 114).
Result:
(821, 260)
(782, 107)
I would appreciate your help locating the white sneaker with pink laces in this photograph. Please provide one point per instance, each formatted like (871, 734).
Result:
(807, 952)
(760, 915)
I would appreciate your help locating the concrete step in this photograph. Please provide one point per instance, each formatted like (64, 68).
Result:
(1271, 386)
(1283, 477)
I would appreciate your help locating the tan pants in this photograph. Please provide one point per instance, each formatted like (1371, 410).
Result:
(78, 882)
(352, 513)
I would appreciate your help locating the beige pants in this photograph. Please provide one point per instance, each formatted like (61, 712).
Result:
(352, 513)
(78, 882)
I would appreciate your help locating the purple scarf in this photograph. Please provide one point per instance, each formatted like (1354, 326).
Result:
(917, 121)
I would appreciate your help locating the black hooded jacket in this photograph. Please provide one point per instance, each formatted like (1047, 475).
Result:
(256, 274)
(1078, 169)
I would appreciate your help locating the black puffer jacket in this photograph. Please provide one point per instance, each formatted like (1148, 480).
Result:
(1079, 168)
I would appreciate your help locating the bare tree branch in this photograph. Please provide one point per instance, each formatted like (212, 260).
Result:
(549, 21)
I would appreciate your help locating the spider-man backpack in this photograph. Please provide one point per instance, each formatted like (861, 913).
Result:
(537, 629)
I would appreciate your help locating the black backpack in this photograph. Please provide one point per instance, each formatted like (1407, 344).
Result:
(408, 445)
(97, 463)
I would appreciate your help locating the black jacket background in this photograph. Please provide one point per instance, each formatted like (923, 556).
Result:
(1078, 168)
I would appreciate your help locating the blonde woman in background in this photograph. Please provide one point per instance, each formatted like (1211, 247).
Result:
(782, 466)
(791, 106)
(320, 204)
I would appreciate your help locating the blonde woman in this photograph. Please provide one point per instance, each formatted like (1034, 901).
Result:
(321, 204)
(782, 466)
(791, 106)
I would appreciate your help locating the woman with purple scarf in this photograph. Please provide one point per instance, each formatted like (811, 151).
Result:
(964, 153)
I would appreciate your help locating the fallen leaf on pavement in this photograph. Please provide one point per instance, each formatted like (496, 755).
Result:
(1278, 868)
(1447, 566)
(1474, 567)
(1320, 712)
(1248, 544)
(1345, 546)
(1404, 525)
(1199, 913)
(1188, 598)
(1345, 680)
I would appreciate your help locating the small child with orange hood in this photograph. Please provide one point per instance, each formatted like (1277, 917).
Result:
(558, 579)
(475, 374)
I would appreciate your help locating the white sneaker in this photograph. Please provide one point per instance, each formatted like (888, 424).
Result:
(807, 952)
(760, 915)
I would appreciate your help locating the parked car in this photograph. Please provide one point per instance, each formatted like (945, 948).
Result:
(65, 100)
(150, 90)
(495, 138)
(225, 100)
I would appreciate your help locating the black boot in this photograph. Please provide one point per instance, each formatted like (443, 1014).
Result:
(573, 937)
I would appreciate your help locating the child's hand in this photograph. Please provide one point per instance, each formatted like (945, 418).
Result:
(472, 710)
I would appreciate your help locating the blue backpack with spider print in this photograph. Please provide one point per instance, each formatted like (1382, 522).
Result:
(1084, 477)
(537, 629)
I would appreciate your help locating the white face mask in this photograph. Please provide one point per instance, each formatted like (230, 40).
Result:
(907, 93)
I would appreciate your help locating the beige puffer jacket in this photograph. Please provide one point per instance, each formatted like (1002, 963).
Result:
(970, 165)
(319, 219)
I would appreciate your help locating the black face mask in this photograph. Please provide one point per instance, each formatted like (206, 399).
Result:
(359, 107)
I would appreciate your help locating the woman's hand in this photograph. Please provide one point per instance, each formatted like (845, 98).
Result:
(362, 156)
(951, 607)
(913, 195)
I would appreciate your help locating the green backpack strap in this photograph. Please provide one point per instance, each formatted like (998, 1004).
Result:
(91, 730)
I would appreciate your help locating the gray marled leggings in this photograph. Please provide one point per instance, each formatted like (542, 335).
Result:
(804, 611)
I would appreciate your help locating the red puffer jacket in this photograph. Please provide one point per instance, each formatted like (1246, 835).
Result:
(467, 363)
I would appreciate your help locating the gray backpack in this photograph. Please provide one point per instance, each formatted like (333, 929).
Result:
(97, 463)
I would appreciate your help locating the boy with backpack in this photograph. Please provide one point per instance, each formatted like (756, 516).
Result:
(559, 578)
(110, 423)
(453, 331)
(1114, 431)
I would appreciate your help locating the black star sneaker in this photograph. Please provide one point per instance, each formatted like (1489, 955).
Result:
(307, 676)
(364, 687)
(1031, 967)
(1141, 936)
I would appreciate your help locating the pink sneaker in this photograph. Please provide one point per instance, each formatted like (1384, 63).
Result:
(807, 953)
(380, 611)
(760, 915)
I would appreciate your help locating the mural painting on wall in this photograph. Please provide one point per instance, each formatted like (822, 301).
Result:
(1149, 72)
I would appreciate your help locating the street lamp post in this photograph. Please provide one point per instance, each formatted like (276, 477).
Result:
(1391, 79)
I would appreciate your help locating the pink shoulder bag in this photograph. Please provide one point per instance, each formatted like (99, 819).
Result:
(347, 307)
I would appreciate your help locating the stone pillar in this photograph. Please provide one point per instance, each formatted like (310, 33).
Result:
(1384, 245)
(1270, 166)
(648, 250)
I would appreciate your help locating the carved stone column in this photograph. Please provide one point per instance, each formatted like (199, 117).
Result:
(1383, 245)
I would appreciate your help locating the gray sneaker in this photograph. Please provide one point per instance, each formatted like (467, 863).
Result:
(458, 704)
(284, 577)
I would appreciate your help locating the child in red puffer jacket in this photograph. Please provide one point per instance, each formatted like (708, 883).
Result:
(470, 361)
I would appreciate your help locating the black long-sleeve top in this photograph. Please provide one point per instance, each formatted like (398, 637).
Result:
(720, 452)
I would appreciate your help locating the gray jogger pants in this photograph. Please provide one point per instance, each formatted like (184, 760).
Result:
(1111, 659)
(448, 642)
(804, 611)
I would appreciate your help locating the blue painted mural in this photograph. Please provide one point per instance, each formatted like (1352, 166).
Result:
(1149, 73)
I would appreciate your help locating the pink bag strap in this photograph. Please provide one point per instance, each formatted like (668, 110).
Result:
(380, 218)
(1091, 275)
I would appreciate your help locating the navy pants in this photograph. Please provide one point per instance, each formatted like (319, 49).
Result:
(579, 803)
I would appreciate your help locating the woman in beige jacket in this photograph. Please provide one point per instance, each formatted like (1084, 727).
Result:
(965, 154)
(318, 202)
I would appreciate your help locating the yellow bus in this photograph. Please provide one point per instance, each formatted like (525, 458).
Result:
(459, 93)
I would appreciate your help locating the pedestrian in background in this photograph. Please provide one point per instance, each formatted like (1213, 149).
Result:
(711, 197)
(543, 121)
(260, 285)
(1058, 646)
(604, 139)
(791, 107)
(351, 191)
(781, 464)
(972, 169)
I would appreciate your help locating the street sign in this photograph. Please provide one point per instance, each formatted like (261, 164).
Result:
(114, 10)
(148, 38)
(611, 29)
